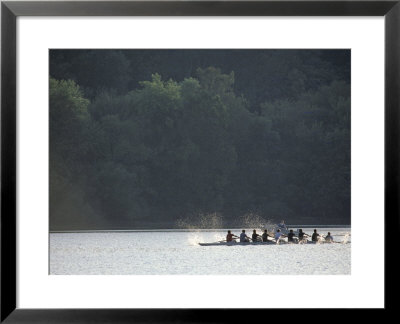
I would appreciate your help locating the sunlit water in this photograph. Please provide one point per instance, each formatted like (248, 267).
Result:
(178, 253)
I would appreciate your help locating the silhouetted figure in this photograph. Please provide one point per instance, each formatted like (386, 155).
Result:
(244, 237)
(230, 236)
(315, 236)
(255, 236)
(291, 236)
(265, 236)
(302, 235)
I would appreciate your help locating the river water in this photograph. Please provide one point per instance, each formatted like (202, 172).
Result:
(178, 253)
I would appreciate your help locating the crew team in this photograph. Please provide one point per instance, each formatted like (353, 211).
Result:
(315, 237)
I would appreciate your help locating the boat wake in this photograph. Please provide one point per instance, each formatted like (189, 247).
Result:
(195, 238)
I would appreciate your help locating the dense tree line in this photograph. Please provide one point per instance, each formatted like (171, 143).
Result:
(143, 138)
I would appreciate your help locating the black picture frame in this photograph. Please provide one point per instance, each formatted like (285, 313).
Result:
(11, 10)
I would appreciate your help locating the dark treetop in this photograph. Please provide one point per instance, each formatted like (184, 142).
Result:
(145, 138)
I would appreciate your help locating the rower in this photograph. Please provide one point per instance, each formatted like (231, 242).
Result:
(265, 236)
(244, 237)
(301, 235)
(291, 236)
(254, 236)
(230, 236)
(329, 238)
(315, 236)
(278, 235)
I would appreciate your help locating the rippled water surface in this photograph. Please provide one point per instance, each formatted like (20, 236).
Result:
(171, 252)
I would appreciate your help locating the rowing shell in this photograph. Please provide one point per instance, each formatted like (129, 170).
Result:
(236, 243)
(259, 243)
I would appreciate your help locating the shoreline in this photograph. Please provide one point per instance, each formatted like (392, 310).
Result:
(189, 230)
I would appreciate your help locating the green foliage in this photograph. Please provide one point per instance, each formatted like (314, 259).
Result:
(69, 118)
(95, 71)
(169, 149)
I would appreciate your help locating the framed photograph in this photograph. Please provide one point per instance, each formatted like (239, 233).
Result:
(161, 159)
